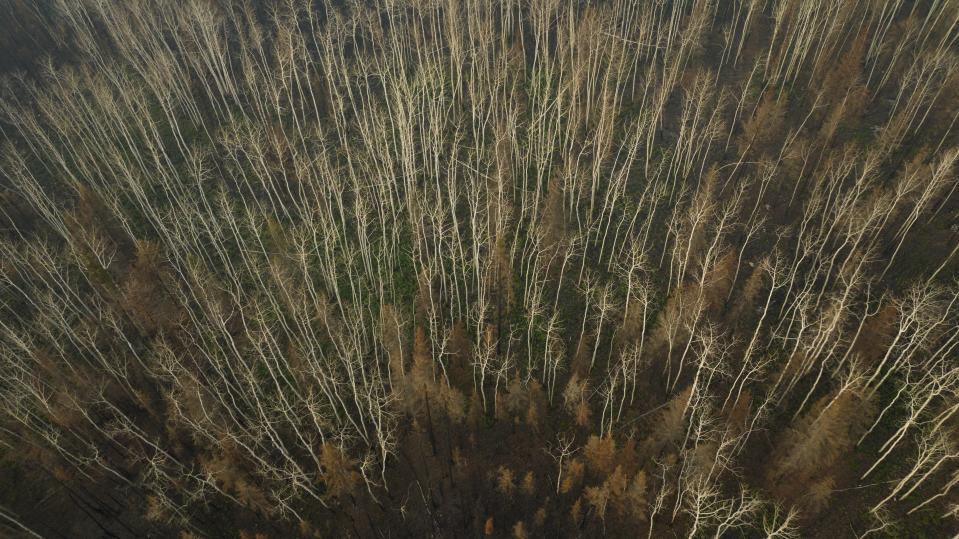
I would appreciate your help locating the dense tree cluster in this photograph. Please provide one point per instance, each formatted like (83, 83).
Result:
(449, 268)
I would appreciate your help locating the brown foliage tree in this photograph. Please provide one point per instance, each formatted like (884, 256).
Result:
(338, 471)
(764, 128)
